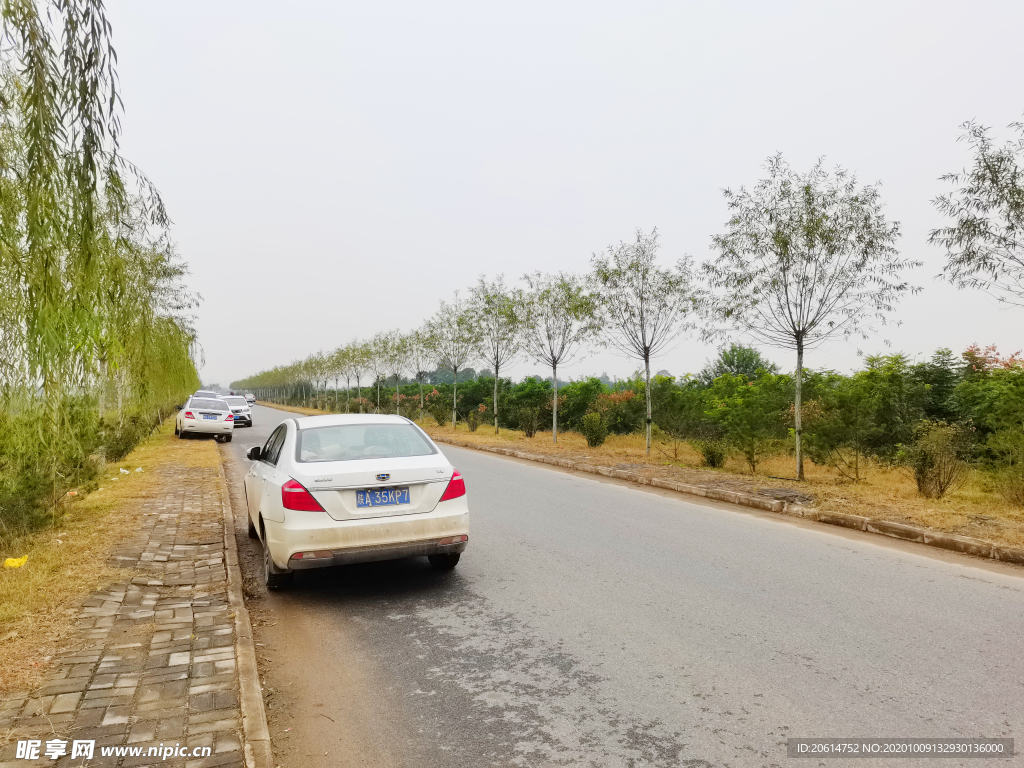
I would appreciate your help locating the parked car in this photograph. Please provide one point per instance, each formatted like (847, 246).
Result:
(352, 488)
(240, 408)
(205, 416)
(250, 398)
(206, 393)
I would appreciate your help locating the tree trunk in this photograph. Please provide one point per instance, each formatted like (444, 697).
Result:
(455, 389)
(348, 394)
(797, 406)
(420, 380)
(496, 399)
(554, 404)
(647, 392)
(359, 394)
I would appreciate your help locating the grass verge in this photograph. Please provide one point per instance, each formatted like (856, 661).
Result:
(39, 601)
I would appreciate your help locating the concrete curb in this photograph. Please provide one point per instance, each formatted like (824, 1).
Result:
(258, 753)
(927, 536)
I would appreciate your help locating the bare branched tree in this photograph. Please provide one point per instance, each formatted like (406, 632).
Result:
(643, 307)
(455, 337)
(420, 356)
(559, 317)
(985, 245)
(497, 311)
(805, 258)
(379, 348)
(397, 360)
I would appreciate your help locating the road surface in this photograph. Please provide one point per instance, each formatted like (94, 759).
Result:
(592, 623)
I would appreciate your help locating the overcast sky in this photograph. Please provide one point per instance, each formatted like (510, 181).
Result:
(336, 168)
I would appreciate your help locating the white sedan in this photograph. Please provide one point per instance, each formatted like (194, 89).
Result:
(352, 488)
(205, 416)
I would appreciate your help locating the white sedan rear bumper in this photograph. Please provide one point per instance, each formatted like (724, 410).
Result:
(361, 541)
(199, 426)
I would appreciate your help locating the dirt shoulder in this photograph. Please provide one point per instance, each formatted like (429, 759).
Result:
(69, 561)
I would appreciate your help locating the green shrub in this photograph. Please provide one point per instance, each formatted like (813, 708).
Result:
(1007, 448)
(752, 415)
(594, 428)
(473, 420)
(528, 404)
(713, 451)
(528, 420)
(624, 412)
(937, 457)
(440, 413)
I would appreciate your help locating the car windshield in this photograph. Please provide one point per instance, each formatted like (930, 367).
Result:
(349, 442)
(235, 401)
(208, 405)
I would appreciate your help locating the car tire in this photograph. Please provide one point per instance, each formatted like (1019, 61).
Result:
(181, 434)
(227, 439)
(253, 533)
(273, 579)
(444, 562)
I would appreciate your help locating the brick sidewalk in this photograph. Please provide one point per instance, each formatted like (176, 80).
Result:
(157, 659)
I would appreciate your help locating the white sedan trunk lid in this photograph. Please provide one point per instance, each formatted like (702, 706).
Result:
(335, 484)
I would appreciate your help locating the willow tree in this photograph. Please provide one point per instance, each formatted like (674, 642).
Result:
(455, 338)
(91, 298)
(499, 319)
(644, 308)
(806, 257)
(560, 315)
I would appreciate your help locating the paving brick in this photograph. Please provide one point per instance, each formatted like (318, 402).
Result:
(227, 741)
(225, 760)
(214, 714)
(65, 702)
(75, 685)
(142, 731)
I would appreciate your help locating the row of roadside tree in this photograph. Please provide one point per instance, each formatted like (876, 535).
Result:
(804, 258)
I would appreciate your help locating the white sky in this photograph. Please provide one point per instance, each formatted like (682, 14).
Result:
(334, 169)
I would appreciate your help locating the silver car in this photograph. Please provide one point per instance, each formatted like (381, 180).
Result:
(240, 409)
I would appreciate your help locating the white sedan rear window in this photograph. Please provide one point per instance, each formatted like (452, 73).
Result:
(349, 442)
(208, 405)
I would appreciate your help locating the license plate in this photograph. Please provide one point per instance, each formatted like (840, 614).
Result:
(382, 497)
(208, 416)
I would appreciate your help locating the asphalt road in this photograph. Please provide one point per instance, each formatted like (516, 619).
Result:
(596, 624)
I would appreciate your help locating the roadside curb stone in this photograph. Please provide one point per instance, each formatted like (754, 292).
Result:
(161, 654)
(907, 532)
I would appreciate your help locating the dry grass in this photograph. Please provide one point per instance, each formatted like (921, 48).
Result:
(294, 409)
(40, 600)
(976, 509)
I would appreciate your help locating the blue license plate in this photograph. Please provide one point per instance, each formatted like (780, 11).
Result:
(382, 497)
(208, 416)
